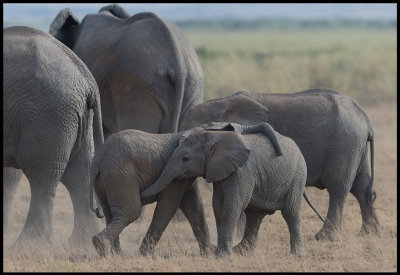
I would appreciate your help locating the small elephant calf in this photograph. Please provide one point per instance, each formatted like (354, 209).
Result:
(129, 162)
(247, 175)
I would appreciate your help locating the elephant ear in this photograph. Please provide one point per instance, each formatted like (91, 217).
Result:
(64, 26)
(115, 10)
(228, 153)
(246, 110)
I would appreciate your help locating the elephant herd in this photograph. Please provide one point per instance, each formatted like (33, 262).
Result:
(113, 108)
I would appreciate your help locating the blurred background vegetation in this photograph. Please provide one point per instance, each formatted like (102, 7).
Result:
(278, 48)
(356, 57)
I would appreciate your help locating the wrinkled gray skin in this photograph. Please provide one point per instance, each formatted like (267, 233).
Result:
(332, 133)
(51, 126)
(247, 176)
(146, 69)
(129, 162)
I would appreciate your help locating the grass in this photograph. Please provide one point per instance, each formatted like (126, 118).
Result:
(360, 62)
(178, 251)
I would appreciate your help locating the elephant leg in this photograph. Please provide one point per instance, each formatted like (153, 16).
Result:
(38, 224)
(360, 189)
(241, 225)
(192, 207)
(76, 179)
(218, 203)
(250, 236)
(333, 217)
(11, 178)
(292, 217)
(122, 207)
(167, 205)
(234, 203)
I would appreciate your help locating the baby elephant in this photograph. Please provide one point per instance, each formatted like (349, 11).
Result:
(247, 175)
(128, 163)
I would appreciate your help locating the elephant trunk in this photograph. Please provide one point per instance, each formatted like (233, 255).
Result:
(166, 177)
(267, 130)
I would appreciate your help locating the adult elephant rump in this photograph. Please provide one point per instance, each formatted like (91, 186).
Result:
(146, 69)
(51, 126)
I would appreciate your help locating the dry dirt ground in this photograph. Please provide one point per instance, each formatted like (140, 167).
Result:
(178, 250)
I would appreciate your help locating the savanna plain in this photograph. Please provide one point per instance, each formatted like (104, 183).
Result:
(360, 61)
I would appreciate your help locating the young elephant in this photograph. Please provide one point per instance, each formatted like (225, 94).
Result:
(247, 175)
(129, 162)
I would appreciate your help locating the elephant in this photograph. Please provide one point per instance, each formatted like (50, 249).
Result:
(330, 129)
(146, 69)
(247, 175)
(51, 128)
(128, 162)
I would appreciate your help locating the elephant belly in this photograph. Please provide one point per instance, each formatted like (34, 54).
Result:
(265, 205)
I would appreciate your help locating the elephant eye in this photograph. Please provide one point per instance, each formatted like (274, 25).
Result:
(185, 159)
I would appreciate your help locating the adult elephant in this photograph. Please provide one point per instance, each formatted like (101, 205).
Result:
(51, 126)
(332, 133)
(146, 69)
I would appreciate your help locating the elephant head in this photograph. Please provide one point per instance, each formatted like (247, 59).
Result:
(214, 154)
(65, 26)
(238, 108)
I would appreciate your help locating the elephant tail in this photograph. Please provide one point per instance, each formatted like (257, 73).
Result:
(312, 207)
(93, 177)
(98, 135)
(178, 78)
(371, 194)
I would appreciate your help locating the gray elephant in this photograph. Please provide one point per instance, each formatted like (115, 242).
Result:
(129, 162)
(332, 133)
(51, 126)
(146, 69)
(247, 175)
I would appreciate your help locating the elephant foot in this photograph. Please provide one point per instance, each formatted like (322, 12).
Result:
(27, 242)
(325, 234)
(298, 251)
(243, 250)
(146, 251)
(223, 254)
(102, 245)
(208, 250)
(370, 229)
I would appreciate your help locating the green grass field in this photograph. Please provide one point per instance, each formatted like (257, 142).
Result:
(358, 61)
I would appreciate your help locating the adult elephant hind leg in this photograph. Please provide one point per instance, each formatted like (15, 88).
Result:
(333, 220)
(340, 174)
(11, 178)
(38, 224)
(76, 180)
(192, 208)
(361, 190)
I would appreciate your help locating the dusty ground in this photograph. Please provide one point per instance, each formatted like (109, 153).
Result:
(178, 250)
